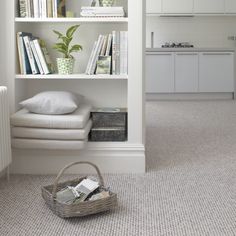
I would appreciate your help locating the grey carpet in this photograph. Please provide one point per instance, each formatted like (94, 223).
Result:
(189, 189)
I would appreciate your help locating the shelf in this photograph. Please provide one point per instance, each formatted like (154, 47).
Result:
(73, 20)
(71, 77)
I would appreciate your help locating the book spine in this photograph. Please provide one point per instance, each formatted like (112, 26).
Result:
(54, 5)
(30, 55)
(22, 8)
(91, 57)
(49, 8)
(104, 46)
(36, 8)
(44, 8)
(117, 53)
(41, 56)
(126, 54)
(20, 53)
(114, 48)
(97, 52)
(31, 8)
(123, 52)
(25, 59)
(36, 57)
(28, 8)
(47, 57)
(108, 49)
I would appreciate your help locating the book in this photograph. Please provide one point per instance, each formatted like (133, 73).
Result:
(44, 8)
(23, 57)
(91, 58)
(36, 8)
(49, 8)
(115, 53)
(22, 8)
(109, 43)
(32, 61)
(123, 52)
(47, 57)
(28, 8)
(41, 56)
(36, 57)
(104, 46)
(96, 54)
(102, 12)
(103, 65)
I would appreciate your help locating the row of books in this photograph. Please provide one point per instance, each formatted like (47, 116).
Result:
(109, 54)
(33, 55)
(42, 8)
(102, 12)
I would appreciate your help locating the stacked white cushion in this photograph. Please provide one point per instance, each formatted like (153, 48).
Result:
(52, 132)
(56, 134)
(76, 120)
(48, 144)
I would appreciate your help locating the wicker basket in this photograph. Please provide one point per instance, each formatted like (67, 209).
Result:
(80, 209)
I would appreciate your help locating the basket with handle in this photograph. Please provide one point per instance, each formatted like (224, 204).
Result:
(78, 209)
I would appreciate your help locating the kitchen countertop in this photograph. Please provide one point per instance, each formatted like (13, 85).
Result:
(190, 49)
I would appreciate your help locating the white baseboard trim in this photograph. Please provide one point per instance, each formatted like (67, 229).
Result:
(189, 96)
(118, 158)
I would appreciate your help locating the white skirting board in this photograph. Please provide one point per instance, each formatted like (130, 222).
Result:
(119, 159)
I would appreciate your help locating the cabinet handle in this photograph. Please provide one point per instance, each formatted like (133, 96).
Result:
(219, 53)
(186, 54)
(159, 54)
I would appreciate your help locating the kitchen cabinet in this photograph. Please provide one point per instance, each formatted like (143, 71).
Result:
(230, 6)
(153, 6)
(160, 72)
(216, 72)
(177, 6)
(209, 6)
(186, 72)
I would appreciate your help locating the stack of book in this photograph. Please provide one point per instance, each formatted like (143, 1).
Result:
(109, 55)
(33, 55)
(42, 8)
(102, 12)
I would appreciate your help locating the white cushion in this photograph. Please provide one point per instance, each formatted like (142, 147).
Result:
(54, 134)
(52, 103)
(48, 144)
(75, 120)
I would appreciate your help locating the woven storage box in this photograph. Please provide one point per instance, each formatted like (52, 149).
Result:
(109, 119)
(80, 209)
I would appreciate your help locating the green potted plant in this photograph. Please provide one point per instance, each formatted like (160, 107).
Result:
(65, 64)
(106, 3)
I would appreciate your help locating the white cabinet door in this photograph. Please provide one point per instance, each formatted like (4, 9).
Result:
(177, 6)
(153, 6)
(186, 72)
(209, 6)
(230, 6)
(216, 72)
(160, 73)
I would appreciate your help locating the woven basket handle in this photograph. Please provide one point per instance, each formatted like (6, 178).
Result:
(101, 181)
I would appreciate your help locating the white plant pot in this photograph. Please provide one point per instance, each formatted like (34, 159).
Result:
(65, 66)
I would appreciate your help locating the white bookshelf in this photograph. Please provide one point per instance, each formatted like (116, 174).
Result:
(100, 90)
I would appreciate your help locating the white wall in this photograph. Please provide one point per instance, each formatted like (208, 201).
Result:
(201, 31)
(2, 44)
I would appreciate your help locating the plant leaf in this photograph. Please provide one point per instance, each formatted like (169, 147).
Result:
(66, 40)
(58, 33)
(71, 31)
(75, 48)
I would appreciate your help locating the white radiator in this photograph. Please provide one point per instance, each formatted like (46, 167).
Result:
(5, 139)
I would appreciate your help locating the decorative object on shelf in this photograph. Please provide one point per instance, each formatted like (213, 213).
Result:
(109, 125)
(106, 3)
(65, 65)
